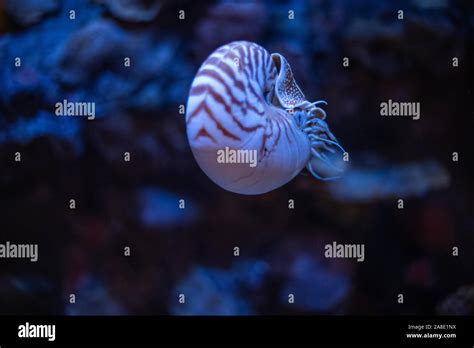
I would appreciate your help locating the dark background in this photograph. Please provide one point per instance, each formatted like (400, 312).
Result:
(190, 251)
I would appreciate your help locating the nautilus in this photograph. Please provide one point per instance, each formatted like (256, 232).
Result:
(249, 125)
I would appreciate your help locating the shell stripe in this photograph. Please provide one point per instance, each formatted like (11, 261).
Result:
(218, 99)
(203, 107)
(216, 83)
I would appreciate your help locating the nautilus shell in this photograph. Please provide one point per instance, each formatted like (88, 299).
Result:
(249, 125)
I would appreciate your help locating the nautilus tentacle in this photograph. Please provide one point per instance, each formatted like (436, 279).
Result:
(249, 125)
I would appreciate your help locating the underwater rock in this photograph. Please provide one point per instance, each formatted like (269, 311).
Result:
(460, 302)
(148, 98)
(143, 139)
(209, 291)
(250, 273)
(393, 47)
(243, 22)
(404, 180)
(376, 45)
(44, 123)
(110, 92)
(29, 57)
(93, 298)
(118, 69)
(314, 286)
(28, 12)
(23, 84)
(27, 285)
(133, 10)
(431, 4)
(25, 291)
(96, 47)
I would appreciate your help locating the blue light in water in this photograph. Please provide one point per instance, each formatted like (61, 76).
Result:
(162, 208)
(315, 287)
(25, 130)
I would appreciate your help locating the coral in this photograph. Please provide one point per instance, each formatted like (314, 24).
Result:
(133, 10)
(405, 180)
(244, 22)
(92, 298)
(314, 286)
(210, 291)
(461, 302)
(28, 12)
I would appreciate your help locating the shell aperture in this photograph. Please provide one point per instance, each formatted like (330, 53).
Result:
(249, 125)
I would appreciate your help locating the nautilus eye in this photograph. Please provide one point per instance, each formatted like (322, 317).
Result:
(249, 125)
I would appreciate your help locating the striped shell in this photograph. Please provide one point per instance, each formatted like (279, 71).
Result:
(245, 101)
